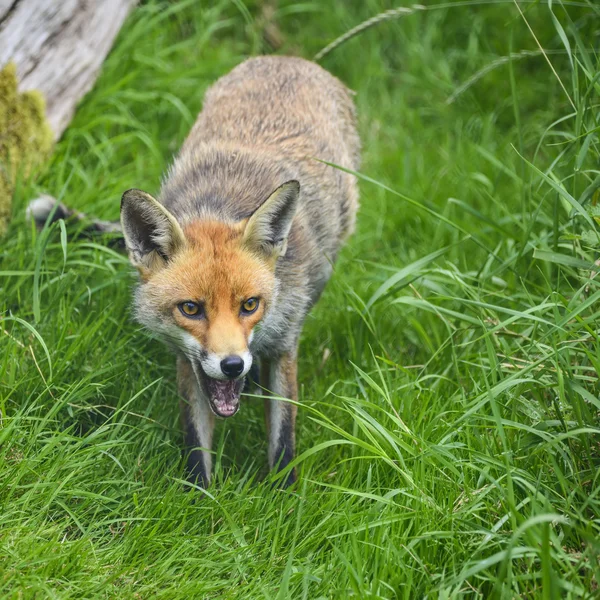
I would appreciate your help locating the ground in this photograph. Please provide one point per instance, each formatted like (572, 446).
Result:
(448, 439)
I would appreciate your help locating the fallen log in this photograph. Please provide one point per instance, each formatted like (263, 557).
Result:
(57, 48)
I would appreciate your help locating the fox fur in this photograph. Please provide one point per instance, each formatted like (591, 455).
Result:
(250, 211)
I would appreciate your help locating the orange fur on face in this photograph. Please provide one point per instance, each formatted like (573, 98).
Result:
(216, 271)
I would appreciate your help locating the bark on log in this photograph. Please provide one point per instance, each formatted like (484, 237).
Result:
(58, 47)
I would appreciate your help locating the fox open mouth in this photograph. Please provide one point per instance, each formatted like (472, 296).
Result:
(223, 396)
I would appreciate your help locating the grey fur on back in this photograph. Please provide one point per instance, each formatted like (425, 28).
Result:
(265, 123)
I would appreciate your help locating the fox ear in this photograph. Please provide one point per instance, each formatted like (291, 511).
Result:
(268, 228)
(152, 234)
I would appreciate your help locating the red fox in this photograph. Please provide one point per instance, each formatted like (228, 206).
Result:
(241, 242)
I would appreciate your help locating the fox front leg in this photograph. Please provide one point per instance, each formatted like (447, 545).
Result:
(280, 379)
(198, 424)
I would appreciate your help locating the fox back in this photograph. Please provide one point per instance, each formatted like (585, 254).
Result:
(270, 120)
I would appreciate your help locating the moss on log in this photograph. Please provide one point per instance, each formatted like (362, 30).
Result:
(26, 138)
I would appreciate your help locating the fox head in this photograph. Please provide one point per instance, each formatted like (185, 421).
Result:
(205, 285)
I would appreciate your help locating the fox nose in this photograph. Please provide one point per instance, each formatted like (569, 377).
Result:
(232, 366)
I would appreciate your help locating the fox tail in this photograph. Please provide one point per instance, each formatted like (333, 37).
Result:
(46, 209)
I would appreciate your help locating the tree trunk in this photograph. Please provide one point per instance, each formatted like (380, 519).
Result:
(58, 47)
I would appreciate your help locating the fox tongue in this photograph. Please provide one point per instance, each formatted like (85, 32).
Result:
(224, 395)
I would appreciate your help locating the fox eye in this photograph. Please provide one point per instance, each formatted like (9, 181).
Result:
(191, 309)
(249, 306)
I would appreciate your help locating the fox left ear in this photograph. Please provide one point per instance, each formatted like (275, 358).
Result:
(152, 234)
(268, 228)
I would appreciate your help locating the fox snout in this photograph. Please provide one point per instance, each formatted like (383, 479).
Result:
(231, 366)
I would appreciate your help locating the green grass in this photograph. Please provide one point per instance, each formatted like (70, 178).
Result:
(449, 444)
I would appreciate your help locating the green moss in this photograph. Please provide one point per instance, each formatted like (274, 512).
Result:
(26, 139)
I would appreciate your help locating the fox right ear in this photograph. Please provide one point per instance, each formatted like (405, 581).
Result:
(152, 234)
(268, 228)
